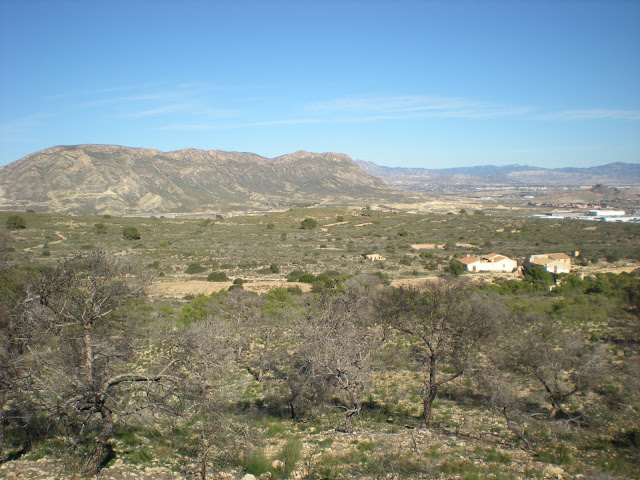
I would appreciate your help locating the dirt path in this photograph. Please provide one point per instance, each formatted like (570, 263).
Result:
(181, 288)
(62, 238)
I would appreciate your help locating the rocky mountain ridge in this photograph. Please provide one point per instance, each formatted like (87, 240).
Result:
(98, 179)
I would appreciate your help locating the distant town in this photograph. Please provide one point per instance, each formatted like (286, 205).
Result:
(595, 215)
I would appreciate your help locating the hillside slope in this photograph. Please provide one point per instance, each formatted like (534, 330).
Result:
(97, 179)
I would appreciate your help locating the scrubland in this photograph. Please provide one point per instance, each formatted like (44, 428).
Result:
(290, 355)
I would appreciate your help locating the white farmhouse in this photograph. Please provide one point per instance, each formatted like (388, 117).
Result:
(552, 262)
(490, 263)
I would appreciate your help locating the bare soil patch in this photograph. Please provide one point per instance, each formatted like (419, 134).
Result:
(182, 288)
(427, 246)
(334, 224)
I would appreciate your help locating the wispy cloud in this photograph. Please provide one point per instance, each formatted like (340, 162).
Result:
(161, 110)
(22, 126)
(592, 114)
(371, 108)
(189, 100)
(96, 92)
(186, 109)
(166, 95)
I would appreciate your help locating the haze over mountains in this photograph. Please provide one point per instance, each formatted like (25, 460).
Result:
(420, 179)
(99, 179)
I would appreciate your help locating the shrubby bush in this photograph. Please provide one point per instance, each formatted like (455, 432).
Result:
(99, 228)
(308, 224)
(218, 277)
(455, 268)
(130, 233)
(194, 267)
(15, 222)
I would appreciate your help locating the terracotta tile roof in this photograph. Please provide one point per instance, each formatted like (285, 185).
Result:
(543, 261)
(468, 260)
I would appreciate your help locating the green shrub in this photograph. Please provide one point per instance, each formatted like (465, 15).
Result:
(295, 275)
(99, 228)
(456, 268)
(194, 267)
(290, 455)
(15, 222)
(307, 278)
(197, 310)
(308, 224)
(218, 277)
(256, 463)
(130, 233)
(538, 276)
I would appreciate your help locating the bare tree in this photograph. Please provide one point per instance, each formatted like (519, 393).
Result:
(445, 324)
(211, 345)
(81, 349)
(292, 371)
(339, 346)
(563, 363)
(14, 377)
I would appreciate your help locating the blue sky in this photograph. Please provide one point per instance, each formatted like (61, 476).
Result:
(431, 84)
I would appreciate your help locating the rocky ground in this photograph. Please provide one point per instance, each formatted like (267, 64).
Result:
(441, 447)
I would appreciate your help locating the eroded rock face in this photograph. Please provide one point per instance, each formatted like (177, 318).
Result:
(98, 179)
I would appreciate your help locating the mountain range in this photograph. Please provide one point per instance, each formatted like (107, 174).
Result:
(420, 179)
(99, 179)
(109, 179)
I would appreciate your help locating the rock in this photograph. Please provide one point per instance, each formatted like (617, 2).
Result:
(552, 471)
(277, 465)
(249, 476)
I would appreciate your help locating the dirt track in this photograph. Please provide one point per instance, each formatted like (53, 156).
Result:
(182, 288)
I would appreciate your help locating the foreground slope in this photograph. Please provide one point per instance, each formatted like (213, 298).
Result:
(97, 179)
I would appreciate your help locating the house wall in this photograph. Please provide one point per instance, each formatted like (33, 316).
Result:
(560, 265)
(506, 265)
